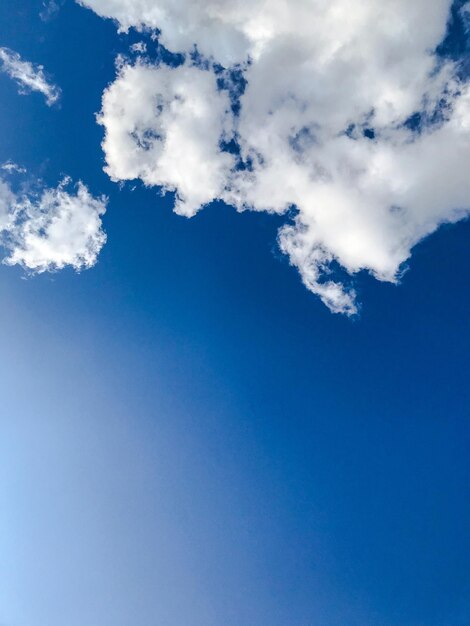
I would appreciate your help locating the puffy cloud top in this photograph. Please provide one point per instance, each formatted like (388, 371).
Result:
(164, 127)
(346, 113)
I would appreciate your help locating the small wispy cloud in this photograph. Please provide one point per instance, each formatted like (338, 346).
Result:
(139, 47)
(28, 76)
(10, 167)
(50, 9)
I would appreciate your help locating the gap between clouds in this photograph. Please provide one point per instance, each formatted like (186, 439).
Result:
(343, 110)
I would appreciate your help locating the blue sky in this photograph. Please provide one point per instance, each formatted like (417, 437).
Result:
(189, 437)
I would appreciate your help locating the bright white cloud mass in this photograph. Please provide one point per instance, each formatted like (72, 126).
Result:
(28, 76)
(339, 108)
(51, 229)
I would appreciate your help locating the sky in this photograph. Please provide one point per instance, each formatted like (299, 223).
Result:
(258, 415)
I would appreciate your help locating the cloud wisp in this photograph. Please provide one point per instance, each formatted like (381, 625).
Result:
(343, 110)
(28, 76)
(50, 9)
(52, 228)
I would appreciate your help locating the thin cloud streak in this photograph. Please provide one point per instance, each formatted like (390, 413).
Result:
(28, 76)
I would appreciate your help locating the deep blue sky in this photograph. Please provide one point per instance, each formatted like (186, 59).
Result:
(190, 438)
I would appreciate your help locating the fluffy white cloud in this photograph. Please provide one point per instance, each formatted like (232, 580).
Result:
(323, 124)
(29, 77)
(164, 127)
(51, 229)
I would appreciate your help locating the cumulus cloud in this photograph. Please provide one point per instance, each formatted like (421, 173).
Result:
(29, 76)
(342, 110)
(51, 229)
(164, 126)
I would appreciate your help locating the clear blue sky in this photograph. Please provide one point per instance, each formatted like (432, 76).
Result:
(188, 437)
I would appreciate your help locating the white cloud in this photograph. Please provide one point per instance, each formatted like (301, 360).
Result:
(10, 166)
(139, 47)
(323, 124)
(29, 76)
(164, 126)
(52, 229)
(7, 202)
